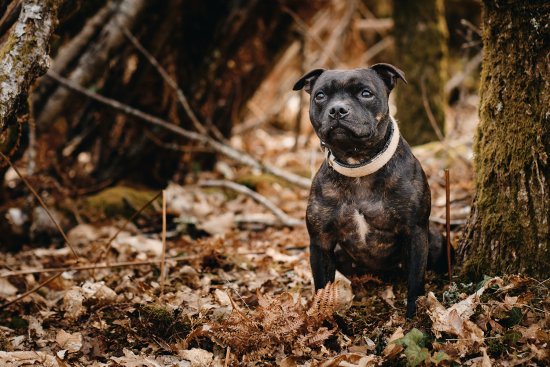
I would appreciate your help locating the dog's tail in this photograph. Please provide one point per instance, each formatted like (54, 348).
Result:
(437, 255)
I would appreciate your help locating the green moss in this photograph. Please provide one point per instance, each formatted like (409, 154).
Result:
(157, 321)
(511, 224)
(119, 200)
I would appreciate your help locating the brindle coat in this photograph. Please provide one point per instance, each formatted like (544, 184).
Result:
(371, 223)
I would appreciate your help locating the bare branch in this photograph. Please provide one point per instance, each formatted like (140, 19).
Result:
(168, 79)
(123, 264)
(93, 62)
(284, 218)
(228, 151)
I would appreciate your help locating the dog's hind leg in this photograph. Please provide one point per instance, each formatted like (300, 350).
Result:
(437, 255)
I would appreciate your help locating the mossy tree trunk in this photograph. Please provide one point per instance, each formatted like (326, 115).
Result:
(25, 31)
(509, 229)
(421, 47)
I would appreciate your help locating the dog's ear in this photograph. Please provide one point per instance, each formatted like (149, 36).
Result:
(306, 82)
(389, 74)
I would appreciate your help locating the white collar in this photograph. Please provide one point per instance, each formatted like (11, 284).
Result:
(370, 166)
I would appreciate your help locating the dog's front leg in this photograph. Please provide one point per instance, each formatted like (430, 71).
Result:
(418, 257)
(322, 263)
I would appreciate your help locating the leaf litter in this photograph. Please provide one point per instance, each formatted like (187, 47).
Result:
(238, 291)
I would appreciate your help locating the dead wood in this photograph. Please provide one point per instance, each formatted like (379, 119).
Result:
(284, 219)
(230, 152)
(95, 60)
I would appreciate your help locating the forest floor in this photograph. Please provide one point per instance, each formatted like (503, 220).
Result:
(237, 290)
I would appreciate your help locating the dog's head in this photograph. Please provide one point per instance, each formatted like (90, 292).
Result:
(349, 108)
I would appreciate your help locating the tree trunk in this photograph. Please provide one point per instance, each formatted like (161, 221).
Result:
(509, 229)
(421, 45)
(25, 31)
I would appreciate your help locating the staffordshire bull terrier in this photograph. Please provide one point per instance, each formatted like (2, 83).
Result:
(369, 203)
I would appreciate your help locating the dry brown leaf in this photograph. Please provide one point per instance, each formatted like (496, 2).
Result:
(98, 292)
(455, 319)
(393, 349)
(73, 303)
(70, 342)
(197, 357)
(218, 224)
(6, 288)
(388, 296)
(351, 360)
(133, 360)
(27, 358)
(138, 243)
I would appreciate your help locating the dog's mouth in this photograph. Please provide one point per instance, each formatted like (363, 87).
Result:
(340, 131)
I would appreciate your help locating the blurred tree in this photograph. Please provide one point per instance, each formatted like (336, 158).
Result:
(509, 228)
(25, 31)
(421, 52)
(218, 52)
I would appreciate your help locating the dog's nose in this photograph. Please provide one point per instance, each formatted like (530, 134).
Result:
(338, 111)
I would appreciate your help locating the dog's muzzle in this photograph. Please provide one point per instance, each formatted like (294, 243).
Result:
(370, 166)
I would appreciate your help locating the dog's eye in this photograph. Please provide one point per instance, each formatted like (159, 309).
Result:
(366, 94)
(319, 96)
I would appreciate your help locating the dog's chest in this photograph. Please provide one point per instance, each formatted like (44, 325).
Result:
(362, 220)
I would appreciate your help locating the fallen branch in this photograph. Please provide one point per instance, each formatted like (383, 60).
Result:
(283, 218)
(123, 264)
(375, 24)
(93, 62)
(230, 152)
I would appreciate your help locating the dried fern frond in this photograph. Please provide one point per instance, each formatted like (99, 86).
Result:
(317, 338)
(334, 297)
(281, 323)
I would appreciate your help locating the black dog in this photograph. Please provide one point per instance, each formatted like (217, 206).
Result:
(370, 201)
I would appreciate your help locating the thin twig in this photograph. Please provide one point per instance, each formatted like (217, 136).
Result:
(458, 78)
(448, 222)
(123, 264)
(284, 218)
(334, 43)
(163, 255)
(235, 154)
(47, 281)
(123, 227)
(43, 205)
(305, 30)
(431, 117)
(167, 78)
(375, 50)
(298, 121)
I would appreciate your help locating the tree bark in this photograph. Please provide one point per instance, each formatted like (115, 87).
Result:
(509, 228)
(24, 56)
(421, 45)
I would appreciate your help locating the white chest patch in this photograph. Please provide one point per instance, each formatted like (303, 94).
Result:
(362, 226)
